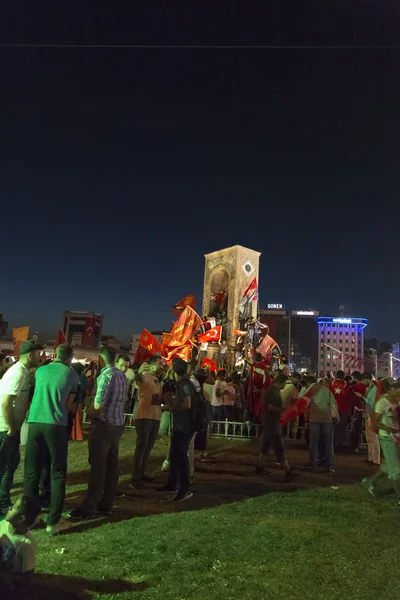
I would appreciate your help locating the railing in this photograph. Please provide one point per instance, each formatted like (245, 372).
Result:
(244, 430)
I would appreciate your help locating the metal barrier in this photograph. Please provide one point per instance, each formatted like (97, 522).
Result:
(244, 430)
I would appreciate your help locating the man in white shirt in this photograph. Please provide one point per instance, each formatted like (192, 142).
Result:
(218, 393)
(14, 397)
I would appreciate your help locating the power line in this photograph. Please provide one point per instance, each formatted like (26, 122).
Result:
(209, 47)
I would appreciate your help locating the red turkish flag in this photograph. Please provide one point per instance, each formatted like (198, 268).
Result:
(253, 286)
(88, 332)
(212, 335)
(343, 395)
(60, 339)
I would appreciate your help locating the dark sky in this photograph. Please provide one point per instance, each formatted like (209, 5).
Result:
(121, 167)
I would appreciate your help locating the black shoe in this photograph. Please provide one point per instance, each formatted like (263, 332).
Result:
(136, 485)
(262, 471)
(147, 479)
(101, 512)
(289, 476)
(119, 495)
(79, 514)
(182, 496)
(166, 488)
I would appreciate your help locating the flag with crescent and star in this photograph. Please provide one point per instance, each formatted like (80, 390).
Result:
(212, 335)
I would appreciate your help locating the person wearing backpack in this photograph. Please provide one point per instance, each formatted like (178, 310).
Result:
(183, 408)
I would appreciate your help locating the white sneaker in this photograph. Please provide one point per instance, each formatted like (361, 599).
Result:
(165, 466)
(59, 527)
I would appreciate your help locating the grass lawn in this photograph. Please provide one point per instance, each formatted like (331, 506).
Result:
(242, 536)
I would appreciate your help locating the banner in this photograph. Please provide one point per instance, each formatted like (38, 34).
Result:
(188, 322)
(88, 338)
(212, 335)
(183, 352)
(20, 334)
(189, 300)
(266, 347)
(209, 364)
(148, 346)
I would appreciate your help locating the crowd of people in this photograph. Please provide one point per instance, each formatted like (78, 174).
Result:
(176, 403)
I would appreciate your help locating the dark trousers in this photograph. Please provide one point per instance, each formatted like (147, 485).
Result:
(179, 471)
(53, 439)
(218, 413)
(45, 478)
(340, 431)
(104, 466)
(9, 461)
(146, 435)
(321, 433)
(356, 431)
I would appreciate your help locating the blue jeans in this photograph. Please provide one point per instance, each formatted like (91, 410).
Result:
(323, 431)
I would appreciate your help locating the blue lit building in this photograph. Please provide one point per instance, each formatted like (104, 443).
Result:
(339, 336)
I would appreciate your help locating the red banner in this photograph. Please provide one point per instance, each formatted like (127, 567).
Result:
(88, 338)
(209, 364)
(148, 346)
(212, 335)
(189, 300)
(185, 327)
(183, 352)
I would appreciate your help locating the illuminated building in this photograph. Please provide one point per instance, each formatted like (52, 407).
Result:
(339, 336)
(83, 328)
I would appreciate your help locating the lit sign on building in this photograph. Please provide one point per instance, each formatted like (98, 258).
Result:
(355, 321)
(276, 306)
(305, 313)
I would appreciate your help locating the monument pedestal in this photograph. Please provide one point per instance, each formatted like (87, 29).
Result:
(228, 273)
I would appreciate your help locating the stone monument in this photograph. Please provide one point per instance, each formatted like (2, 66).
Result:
(228, 273)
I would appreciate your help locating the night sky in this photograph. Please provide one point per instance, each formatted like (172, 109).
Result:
(121, 167)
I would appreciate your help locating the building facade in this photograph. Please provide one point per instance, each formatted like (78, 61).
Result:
(339, 339)
(83, 328)
(279, 325)
(304, 340)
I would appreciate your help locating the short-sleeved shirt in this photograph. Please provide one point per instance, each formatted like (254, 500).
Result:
(149, 391)
(18, 551)
(15, 382)
(389, 415)
(271, 418)
(183, 420)
(53, 384)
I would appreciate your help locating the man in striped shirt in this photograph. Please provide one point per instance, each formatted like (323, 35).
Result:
(107, 414)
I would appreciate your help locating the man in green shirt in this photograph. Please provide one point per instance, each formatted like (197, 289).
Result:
(55, 388)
